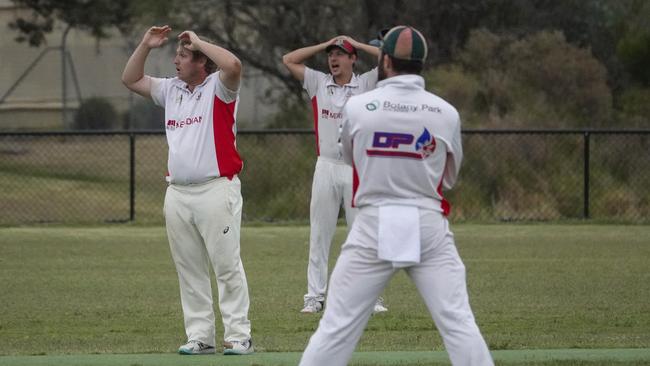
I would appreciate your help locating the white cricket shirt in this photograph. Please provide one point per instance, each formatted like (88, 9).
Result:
(200, 128)
(403, 143)
(328, 100)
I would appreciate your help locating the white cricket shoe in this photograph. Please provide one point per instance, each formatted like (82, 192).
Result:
(379, 306)
(196, 348)
(238, 347)
(312, 306)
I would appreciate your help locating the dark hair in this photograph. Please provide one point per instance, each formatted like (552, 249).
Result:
(405, 66)
(210, 66)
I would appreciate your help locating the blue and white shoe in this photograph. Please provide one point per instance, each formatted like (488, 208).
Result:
(196, 348)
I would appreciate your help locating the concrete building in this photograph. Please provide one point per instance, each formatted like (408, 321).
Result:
(33, 86)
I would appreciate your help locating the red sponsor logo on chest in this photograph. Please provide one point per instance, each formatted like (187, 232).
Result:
(173, 124)
(325, 114)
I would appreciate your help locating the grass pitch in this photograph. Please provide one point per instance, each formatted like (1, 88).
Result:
(561, 357)
(113, 290)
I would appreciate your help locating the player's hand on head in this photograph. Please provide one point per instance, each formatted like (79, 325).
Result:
(156, 36)
(352, 41)
(331, 41)
(192, 38)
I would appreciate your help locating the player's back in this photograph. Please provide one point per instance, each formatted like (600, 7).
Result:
(405, 143)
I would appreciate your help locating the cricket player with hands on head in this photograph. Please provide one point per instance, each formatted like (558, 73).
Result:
(404, 145)
(203, 202)
(332, 182)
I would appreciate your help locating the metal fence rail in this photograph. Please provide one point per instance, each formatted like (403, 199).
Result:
(114, 176)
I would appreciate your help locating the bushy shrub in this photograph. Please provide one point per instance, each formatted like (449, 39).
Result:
(572, 80)
(144, 115)
(634, 51)
(292, 115)
(277, 175)
(537, 81)
(635, 108)
(96, 114)
(456, 86)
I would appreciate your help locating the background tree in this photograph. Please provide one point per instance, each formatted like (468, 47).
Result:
(93, 16)
(538, 81)
(260, 31)
(615, 32)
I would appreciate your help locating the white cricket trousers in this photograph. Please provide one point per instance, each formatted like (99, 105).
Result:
(203, 227)
(359, 277)
(331, 187)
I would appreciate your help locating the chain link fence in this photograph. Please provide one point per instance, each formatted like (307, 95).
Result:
(92, 177)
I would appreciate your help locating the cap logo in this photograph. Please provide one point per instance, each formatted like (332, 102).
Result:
(343, 45)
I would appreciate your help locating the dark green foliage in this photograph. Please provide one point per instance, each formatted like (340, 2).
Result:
(277, 176)
(616, 32)
(634, 51)
(96, 114)
(534, 82)
(144, 115)
(260, 32)
(292, 114)
(634, 107)
(94, 16)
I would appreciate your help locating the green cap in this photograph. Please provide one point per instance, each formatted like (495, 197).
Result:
(405, 43)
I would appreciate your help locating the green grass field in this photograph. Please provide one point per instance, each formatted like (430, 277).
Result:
(542, 295)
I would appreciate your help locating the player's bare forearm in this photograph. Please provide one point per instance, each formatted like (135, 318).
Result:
(295, 60)
(371, 50)
(301, 55)
(228, 63)
(133, 76)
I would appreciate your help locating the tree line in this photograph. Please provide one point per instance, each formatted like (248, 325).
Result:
(586, 60)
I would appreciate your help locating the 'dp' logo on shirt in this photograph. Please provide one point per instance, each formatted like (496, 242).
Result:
(400, 145)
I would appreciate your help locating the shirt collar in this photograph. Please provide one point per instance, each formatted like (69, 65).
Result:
(183, 85)
(354, 82)
(409, 81)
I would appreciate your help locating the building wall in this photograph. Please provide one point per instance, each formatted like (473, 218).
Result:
(36, 102)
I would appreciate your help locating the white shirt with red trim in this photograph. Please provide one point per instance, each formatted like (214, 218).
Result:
(403, 143)
(200, 128)
(328, 100)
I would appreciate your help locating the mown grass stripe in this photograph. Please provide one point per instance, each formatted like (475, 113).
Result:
(360, 358)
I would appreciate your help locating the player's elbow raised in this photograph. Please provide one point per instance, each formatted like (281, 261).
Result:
(286, 60)
(233, 67)
(127, 83)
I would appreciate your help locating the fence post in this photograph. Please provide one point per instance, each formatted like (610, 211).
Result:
(586, 175)
(132, 177)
